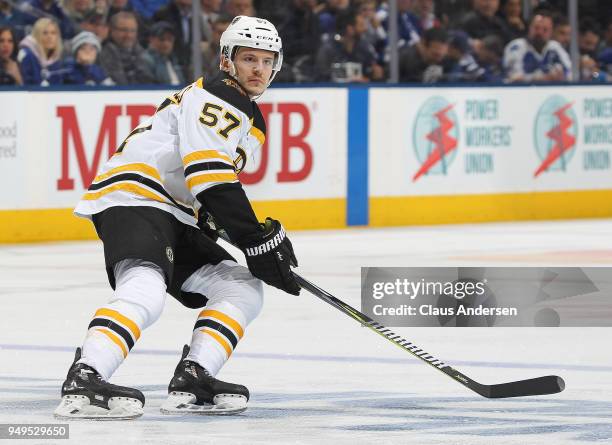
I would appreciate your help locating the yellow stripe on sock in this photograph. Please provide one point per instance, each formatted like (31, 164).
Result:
(133, 327)
(115, 340)
(225, 319)
(220, 340)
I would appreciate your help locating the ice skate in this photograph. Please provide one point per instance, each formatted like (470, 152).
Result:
(193, 390)
(85, 395)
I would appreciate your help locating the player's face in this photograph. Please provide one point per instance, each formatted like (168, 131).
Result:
(253, 69)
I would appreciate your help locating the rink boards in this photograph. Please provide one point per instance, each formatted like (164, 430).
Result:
(337, 156)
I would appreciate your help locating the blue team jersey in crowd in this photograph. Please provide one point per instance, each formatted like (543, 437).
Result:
(523, 62)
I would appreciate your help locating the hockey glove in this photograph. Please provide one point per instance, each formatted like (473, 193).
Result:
(269, 255)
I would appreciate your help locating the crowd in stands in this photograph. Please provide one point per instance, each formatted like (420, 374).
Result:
(137, 42)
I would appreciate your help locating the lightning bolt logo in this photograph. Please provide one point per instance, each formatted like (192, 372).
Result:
(563, 141)
(443, 142)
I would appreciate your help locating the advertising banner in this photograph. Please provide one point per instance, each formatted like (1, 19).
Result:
(439, 141)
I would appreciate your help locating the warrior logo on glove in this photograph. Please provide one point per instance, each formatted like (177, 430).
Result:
(269, 255)
(268, 245)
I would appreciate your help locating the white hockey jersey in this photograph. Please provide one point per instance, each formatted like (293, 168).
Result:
(198, 138)
(522, 61)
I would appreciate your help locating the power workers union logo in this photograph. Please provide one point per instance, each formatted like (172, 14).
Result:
(555, 134)
(435, 136)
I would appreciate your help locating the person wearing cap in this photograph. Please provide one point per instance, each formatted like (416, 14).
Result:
(461, 66)
(95, 21)
(159, 58)
(83, 69)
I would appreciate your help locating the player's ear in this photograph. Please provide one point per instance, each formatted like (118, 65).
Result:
(224, 64)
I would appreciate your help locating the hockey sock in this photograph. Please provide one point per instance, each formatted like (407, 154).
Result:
(136, 303)
(235, 298)
(216, 333)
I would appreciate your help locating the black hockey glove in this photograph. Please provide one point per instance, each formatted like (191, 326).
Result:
(269, 255)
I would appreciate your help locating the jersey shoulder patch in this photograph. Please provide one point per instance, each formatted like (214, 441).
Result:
(227, 89)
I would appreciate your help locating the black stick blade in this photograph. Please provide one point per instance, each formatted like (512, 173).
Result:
(550, 384)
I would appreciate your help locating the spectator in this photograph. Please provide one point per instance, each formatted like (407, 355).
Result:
(159, 59)
(146, 8)
(95, 22)
(76, 10)
(424, 11)
(178, 15)
(423, 62)
(210, 13)
(451, 12)
(461, 66)
(121, 53)
(13, 18)
(605, 64)
(327, 17)
(489, 55)
(273, 10)
(82, 68)
(512, 13)
(211, 56)
(35, 9)
(408, 23)
(375, 33)
(299, 32)
(40, 55)
(241, 7)
(9, 70)
(116, 6)
(483, 21)
(607, 37)
(348, 57)
(300, 36)
(588, 42)
(562, 32)
(537, 57)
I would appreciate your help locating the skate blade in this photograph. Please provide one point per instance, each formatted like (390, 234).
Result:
(78, 408)
(184, 403)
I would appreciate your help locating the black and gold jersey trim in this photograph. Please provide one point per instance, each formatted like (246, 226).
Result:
(206, 166)
(150, 183)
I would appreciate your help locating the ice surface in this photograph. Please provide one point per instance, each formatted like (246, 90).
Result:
(315, 375)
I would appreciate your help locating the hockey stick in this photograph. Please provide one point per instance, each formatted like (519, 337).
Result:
(550, 384)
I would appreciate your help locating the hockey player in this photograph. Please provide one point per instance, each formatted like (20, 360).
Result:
(149, 204)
